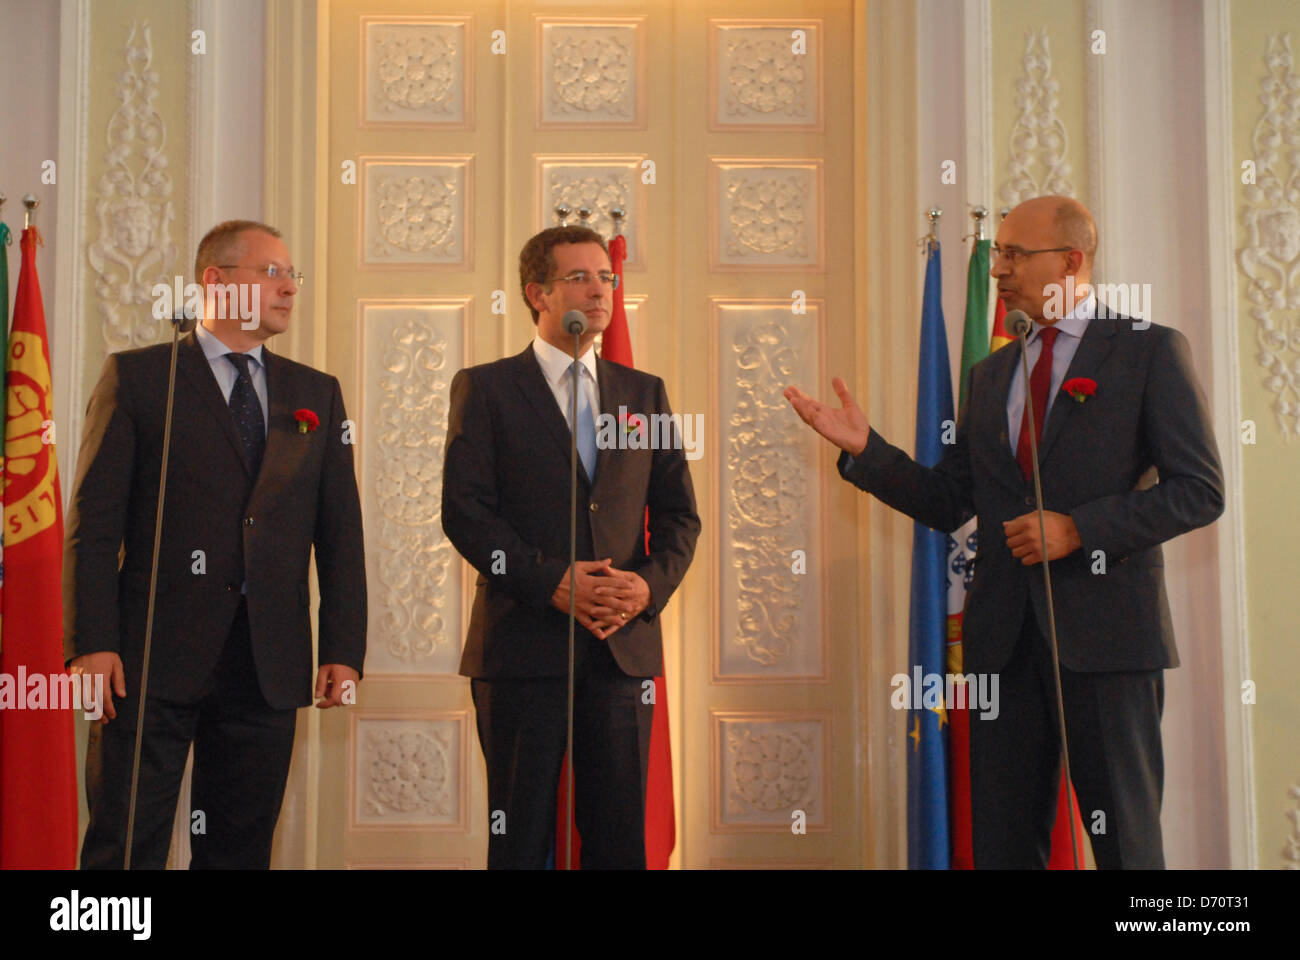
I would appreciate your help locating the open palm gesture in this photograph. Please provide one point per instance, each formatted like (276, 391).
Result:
(846, 427)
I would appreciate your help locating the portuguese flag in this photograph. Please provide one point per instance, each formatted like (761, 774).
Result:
(38, 780)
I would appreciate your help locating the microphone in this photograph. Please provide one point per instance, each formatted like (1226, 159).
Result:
(185, 319)
(575, 322)
(1018, 323)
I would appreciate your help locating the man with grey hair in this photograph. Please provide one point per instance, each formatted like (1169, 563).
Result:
(259, 472)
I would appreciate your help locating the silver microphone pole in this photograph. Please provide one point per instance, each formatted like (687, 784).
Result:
(575, 321)
(1018, 322)
(181, 323)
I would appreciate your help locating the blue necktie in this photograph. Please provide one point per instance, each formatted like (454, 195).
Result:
(247, 411)
(586, 431)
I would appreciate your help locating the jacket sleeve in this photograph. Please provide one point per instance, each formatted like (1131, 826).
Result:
(939, 496)
(470, 511)
(340, 548)
(1178, 434)
(674, 522)
(97, 518)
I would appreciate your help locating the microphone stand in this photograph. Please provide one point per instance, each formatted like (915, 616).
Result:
(576, 328)
(181, 323)
(1024, 328)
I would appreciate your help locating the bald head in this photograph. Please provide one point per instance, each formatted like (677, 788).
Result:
(1065, 220)
(1047, 244)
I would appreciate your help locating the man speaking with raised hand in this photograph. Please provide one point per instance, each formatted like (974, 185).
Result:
(1128, 460)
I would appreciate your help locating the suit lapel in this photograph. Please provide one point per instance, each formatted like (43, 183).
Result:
(195, 367)
(612, 396)
(532, 382)
(281, 427)
(1097, 343)
(1006, 358)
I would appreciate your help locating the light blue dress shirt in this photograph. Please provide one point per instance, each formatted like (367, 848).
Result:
(226, 373)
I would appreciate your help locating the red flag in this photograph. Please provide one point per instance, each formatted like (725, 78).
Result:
(660, 815)
(38, 779)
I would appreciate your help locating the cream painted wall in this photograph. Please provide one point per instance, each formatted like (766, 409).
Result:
(1271, 467)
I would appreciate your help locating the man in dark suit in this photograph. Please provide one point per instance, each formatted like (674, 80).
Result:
(505, 506)
(1106, 516)
(249, 491)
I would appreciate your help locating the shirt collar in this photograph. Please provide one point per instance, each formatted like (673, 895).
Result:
(1075, 322)
(554, 362)
(214, 348)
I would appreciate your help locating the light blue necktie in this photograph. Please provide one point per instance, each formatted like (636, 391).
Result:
(586, 430)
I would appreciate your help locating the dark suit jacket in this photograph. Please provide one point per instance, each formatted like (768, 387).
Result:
(1148, 412)
(259, 530)
(505, 486)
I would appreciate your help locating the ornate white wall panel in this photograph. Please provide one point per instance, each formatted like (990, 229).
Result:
(410, 351)
(600, 183)
(406, 770)
(766, 213)
(133, 247)
(1270, 218)
(769, 494)
(418, 71)
(1037, 164)
(417, 211)
(763, 76)
(766, 766)
(591, 73)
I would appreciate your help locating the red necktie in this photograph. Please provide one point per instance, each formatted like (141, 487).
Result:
(1039, 381)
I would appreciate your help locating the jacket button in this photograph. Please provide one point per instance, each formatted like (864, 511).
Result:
(1029, 502)
(230, 588)
(248, 521)
(595, 507)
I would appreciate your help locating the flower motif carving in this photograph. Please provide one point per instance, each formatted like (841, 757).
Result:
(764, 76)
(600, 192)
(417, 70)
(1270, 214)
(767, 495)
(409, 771)
(134, 249)
(414, 556)
(1038, 139)
(417, 214)
(768, 215)
(591, 72)
(771, 768)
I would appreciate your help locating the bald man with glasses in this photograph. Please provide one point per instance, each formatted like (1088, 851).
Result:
(1131, 466)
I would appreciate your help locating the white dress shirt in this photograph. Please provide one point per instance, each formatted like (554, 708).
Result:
(555, 366)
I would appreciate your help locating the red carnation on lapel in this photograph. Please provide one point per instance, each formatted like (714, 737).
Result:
(307, 421)
(633, 424)
(1080, 387)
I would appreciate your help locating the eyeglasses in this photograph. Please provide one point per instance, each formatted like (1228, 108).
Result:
(1016, 254)
(272, 271)
(606, 278)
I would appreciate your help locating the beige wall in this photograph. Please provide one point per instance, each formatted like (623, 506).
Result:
(1272, 465)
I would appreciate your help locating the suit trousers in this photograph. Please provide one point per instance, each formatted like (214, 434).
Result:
(242, 748)
(1112, 721)
(522, 727)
